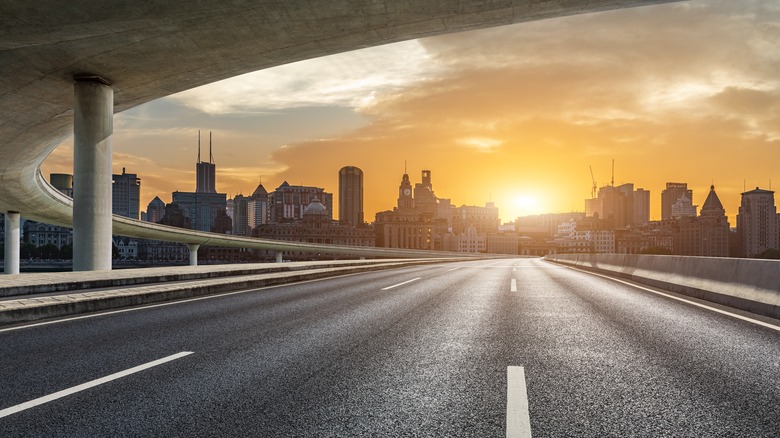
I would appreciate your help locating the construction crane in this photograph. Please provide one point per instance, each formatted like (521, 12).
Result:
(593, 192)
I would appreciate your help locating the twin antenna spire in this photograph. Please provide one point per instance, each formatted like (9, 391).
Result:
(211, 155)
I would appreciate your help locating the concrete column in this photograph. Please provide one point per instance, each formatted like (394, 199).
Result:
(12, 220)
(193, 253)
(93, 120)
(278, 257)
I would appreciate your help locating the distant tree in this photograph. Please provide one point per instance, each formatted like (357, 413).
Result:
(656, 250)
(771, 253)
(27, 251)
(49, 251)
(66, 252)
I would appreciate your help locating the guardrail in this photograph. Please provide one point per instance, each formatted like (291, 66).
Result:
(747, 284)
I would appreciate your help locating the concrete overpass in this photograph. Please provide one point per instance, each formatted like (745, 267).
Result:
(124, 53)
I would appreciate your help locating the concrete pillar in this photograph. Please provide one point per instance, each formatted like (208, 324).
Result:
(278, 257)
(12, 220)
(93, 116)
(193, 253)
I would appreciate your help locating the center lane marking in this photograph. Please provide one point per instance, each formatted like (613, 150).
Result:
(518, 420)
(66, 392)
(513, 286)
(401, 284)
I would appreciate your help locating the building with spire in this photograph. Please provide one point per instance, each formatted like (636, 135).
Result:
(203, 206)
(706, 235)
(257, 207)
(757, 223)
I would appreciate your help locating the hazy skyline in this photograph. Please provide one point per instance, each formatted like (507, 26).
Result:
(684, 92)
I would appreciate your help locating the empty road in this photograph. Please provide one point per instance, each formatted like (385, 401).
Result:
(419, 351)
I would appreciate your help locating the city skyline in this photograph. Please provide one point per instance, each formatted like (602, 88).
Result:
(492, 118)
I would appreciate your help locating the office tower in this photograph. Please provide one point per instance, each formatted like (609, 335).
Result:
(641, 207)
(612, 207)
(240, 216)
(287, 203)
(670, 195)
(126, 195)
(205, 171)
(683, 207)
(205, 205)
(155, 210)
(62, 182)
(714, 227)
(351, 196)
(257, 207)
(757, 223)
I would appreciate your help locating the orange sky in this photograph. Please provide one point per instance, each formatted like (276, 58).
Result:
(685, 92)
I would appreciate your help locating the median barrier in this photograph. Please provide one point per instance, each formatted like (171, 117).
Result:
(747, 284)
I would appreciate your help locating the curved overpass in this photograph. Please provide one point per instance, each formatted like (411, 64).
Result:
(155, 48)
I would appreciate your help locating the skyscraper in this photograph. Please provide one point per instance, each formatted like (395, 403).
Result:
(257, 207)
(641, 207)
(126, 195)
(204, 205)
(757, 223)
(240, 216)
(351, 196)
(670, 195)
(155, 210)
(205, 172)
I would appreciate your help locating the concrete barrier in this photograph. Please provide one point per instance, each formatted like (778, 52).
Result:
(747, 284)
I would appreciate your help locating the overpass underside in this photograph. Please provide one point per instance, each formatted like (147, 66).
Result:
(135, 52)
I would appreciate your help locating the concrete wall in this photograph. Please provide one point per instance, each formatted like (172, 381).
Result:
(747, 284)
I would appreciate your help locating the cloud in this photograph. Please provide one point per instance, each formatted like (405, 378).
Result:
(350, 79)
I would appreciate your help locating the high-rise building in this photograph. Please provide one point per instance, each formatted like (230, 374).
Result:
(706, 235)
(287, 203)
(257, 207)
(126, 195)
(641, 207)
(351, 196)
(205, 205)
(613, 207)
(205, 172)
(241, 216)
(670, 195)
(62, 182)
(757, 223)
(684, 207)
(155, 210)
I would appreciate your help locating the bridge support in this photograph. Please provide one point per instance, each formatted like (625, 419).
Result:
(12, 221)
(93, 117)
(193, 247)
(279, 257)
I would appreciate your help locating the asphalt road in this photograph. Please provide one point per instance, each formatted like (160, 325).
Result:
(355, 356)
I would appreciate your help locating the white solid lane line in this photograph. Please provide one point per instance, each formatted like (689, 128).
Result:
(65, 392)
(693, 303)
(518, 420)
(513, 286)
(401, 284)
(450, 270)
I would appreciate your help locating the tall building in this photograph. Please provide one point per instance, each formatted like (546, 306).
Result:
(155, 210)
(287, 203)
(241, 216)
(351, 196)
(257, 207)
(205, 172)
(641, 207)
(684, 207)
(757, 223)
(408, 226)
(484, 220)
(613, 207)
(126, 195)
(203, 206)
(706, 235)
(62, 182)
(670, 195)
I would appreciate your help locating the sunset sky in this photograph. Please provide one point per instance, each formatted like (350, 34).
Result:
(683, 92)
